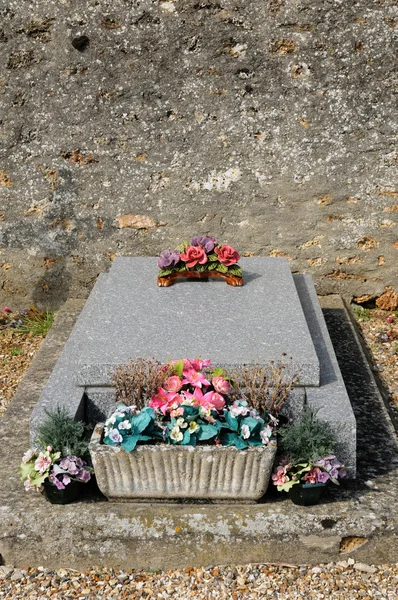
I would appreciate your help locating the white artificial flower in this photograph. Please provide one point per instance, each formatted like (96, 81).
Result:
(245, 432)
(124, 425)
(176, 434)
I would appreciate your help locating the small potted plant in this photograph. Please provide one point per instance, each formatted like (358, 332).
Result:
(307, 461)
(57, 467)
(196, 437)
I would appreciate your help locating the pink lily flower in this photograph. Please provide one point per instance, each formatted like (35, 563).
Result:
(195, 378)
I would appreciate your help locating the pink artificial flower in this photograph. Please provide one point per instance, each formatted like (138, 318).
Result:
(195, 378)
(194, 255)
(209, 401)
(177, 412)
(28, 484)
(199, 364)
(6, 309)
(279, 476)
(390, 319)
(173, 384)
(29, 454)
(42, 463)
(312, 476)
(49, 448)
(227, 255)
(221, 385)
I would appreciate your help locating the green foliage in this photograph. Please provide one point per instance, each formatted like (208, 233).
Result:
(235, 270)
(361, 313)
(36, 322)
(308, 440)
(201, 268)
(221, 268)
(62, 433)
(212, 266)
(212, 257)
(16, 351)
(182, 247)
(164, 272)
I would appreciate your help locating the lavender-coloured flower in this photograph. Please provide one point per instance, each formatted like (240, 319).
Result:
(66, 479)
(204, 241)
(83, 475)
(168, 259)
(69, 465)
(115, 436)
(322, 477)
(59, 485)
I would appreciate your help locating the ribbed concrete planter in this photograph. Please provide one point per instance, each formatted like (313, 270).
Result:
(162, 473)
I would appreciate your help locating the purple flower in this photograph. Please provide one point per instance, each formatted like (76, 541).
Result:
(66, 479)
(69, 465)
(322, 477)
(83, 475)
(204, 241)
(168, 259)
(58, 483)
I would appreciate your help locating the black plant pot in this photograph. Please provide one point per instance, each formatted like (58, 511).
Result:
(306, 494)
(56, 496)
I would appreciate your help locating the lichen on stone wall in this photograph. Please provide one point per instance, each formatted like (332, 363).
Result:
(268, 125)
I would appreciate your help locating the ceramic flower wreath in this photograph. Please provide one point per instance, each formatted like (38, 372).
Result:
(203, 254)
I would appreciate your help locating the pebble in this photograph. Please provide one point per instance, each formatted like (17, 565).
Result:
(346, 579)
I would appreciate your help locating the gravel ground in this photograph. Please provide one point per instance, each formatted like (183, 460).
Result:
(343, 580)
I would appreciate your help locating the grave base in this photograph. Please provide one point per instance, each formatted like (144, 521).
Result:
(359, 519)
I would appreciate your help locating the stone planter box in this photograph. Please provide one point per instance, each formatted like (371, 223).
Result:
(163, 473)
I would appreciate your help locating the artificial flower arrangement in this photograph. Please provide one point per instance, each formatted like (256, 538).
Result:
(57, 466)
(201, 254)
(307, 457)
(192, 406)
(37, 467)
(325, 469)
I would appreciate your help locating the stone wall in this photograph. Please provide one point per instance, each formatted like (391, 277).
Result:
(128, 125)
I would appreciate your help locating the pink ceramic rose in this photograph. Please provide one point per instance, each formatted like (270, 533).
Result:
(194, 255)
(227, 255)
(221, 385)
(217, 400)
(173, 384)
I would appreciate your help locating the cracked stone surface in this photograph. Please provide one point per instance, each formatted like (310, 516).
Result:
(128, 126)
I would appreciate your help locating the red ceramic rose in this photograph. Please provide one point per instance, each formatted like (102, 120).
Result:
(194, 255)
(227, 255)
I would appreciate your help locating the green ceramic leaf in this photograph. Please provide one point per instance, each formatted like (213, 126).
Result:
(206, 432)
(231, 421)
(235, 270)
(130, 442)
(221, 268)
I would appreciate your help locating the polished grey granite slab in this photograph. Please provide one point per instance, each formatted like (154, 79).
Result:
(260, 322)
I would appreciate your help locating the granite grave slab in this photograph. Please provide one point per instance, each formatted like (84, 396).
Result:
(275, 316)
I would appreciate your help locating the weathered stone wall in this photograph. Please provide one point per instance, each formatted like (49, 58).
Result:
(269, 125)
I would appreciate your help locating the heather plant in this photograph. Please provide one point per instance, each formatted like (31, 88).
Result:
(65, 435)
(308, 439)
(137, 382)
(265, 387)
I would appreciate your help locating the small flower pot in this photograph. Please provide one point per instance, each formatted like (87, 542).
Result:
(306, 494)
(70, 493)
